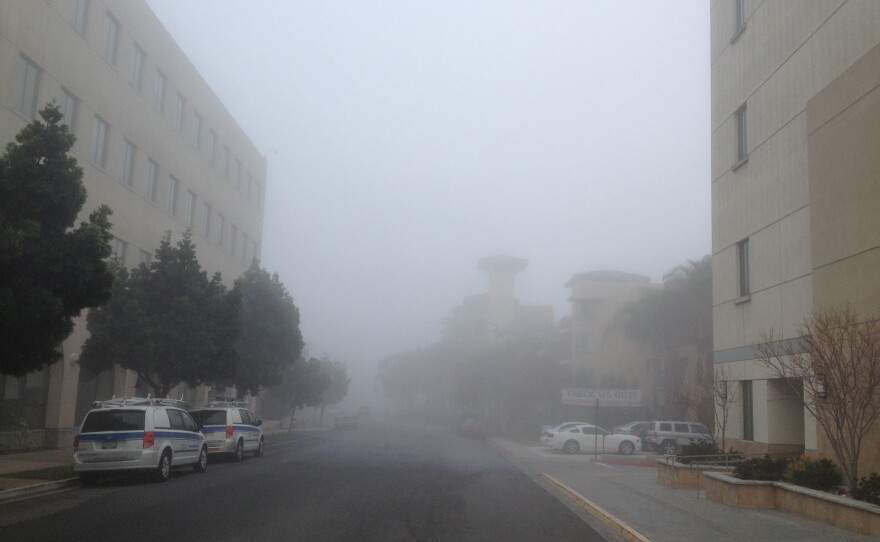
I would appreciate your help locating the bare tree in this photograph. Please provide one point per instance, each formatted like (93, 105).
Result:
(726, 393)
(836, 365)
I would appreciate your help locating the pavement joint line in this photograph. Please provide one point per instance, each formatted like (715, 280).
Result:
(38, 489)
(620, 527)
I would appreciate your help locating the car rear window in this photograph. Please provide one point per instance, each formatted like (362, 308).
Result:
(209, 417)
(114, 420)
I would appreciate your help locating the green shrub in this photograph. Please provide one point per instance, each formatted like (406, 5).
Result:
(761, 468)
(868, 489)
(822, 474)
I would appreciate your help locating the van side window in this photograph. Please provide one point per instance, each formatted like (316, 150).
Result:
(176, 420)
(188, 422)
(236, 415)
(160, 419)
(665, 427)
(681, 428)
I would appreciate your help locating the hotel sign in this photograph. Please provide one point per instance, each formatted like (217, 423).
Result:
(587, 397)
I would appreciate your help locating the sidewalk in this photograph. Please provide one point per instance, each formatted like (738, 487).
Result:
(631, 496)
(25, 461)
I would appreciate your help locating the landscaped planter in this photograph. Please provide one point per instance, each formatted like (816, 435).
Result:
(843, 512)
(681, 476)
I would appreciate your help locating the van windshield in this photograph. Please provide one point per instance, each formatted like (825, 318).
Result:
(114, 420)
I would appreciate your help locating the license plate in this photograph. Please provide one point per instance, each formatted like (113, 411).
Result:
(108, 445)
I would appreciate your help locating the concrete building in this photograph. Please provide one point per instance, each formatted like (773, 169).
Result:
(494, 317)
(155, 144)
(795, 194)
(601, 357)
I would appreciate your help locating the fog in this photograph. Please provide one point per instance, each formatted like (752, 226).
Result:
(406, 140)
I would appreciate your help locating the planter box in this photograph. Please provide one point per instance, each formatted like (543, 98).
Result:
(681, 476)
(843, 512)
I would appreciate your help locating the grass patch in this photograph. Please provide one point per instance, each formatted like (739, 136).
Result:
(50, 474)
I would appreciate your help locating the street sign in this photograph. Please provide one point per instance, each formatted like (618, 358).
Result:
(588, 397)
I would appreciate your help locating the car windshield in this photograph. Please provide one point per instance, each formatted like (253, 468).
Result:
(114, 420)
(209, 417)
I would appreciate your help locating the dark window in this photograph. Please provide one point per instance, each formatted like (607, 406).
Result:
(114, 420)
(209, 417)
(665, 427)
(176, 419)
(742, 249)
(681, 428)
(699, 428)
(188, 422)
(748, 420)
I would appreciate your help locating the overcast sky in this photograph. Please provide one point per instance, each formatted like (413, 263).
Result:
(407, 139)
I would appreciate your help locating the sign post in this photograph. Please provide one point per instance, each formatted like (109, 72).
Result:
(596, 432)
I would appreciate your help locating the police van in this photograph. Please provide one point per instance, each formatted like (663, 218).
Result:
(231, 428)
(131, 434)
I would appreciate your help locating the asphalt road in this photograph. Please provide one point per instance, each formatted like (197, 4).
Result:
(380, 482)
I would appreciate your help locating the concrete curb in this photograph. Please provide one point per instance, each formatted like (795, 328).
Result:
(621, 528)
(37, 489)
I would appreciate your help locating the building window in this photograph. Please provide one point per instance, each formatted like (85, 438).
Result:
(171, 200)
(99, 142)
(742, 143)
(233, 239)
(29, 77)
(221, 230)
(69, 105)
(79, 15)
(740, 15)
(111, 39)
(159, 92)
(212, 142)
(119, 249)
(206, 221)
(742, 256)
(197, 131)
(179, 112)
(145, 258)
(190, 207)
(748, 414)
(137, 67)
(152, 176)
(225, 162)
(126, 175)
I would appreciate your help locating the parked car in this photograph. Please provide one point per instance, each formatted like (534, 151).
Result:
(345, 420)
(589, 438)
(548, 430)
(230, 428)
(668, 437)
(135, 434)
(637, 429)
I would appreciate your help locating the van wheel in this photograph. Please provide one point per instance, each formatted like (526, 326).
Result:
(669, 447)
(260, 448)
(571, 447)
(163, 471)
(202, 464)
(239, 452)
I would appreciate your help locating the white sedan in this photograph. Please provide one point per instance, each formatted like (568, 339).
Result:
(587, 438)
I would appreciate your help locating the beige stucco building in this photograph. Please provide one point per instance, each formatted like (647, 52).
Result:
(795, 194)
(155, 144)
(602, 357)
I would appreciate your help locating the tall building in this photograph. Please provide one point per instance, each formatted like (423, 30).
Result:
(795, 194)
(155, 144)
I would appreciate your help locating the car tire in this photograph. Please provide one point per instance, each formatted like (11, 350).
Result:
(260, 449)
(669, 447)
(238, 455)
(627, 447)
(88, 479)
(163, 469)
(202, 464)
(571, 447)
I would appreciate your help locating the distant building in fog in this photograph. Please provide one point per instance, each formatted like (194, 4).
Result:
(155, 144)
(496, 316)
(795, 194)
(602, 357)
